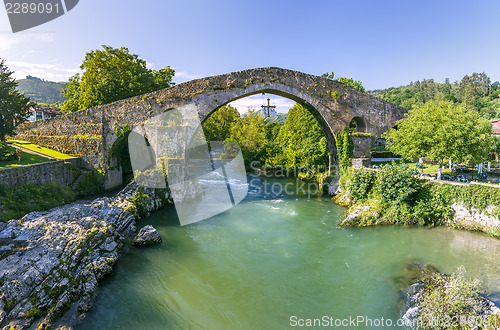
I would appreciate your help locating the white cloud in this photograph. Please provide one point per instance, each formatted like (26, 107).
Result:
(181, 77)
(257, 101)
(47, 71)
(9, 40)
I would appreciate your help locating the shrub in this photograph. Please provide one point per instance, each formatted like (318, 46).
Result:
(7, 152)
(399, 213)
(23, 199)
(139, 199)
(383, 154)
(451, 298)
(395, 184)
(360, 184)
(91, 183)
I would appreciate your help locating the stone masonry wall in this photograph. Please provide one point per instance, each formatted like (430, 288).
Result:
(78, 133)
(64, 172)
(362, 146)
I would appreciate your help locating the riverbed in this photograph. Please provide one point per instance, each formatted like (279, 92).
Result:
(274, 259)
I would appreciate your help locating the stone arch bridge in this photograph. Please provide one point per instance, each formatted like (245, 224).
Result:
(91, 133)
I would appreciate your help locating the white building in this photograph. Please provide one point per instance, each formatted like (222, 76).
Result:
(40, 113)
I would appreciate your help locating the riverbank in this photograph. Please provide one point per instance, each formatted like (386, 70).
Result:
(392, 196)
(51, 262)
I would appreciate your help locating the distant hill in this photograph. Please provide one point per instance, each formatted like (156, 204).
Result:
(273, 115)
(278, 117)
(41, 91)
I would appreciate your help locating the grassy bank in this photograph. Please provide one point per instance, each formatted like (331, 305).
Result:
(16, 202)
(41, 150)
(23, 199)
(391, 195)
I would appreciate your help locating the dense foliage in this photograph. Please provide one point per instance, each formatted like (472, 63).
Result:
(14, 106)
(302, 141)
(345, 148)
(7, 152)
(455, 298)
(22, 199)
(475, 92)
(42, 91)
(91, 183)
(441, 131)
(218, 125)
(394, 196)
(299, 142)
(112, 74)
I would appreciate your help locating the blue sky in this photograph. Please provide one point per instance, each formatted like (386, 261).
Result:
(381, 43)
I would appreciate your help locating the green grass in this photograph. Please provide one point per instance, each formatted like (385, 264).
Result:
(41, 150)
(23, 199)
(26, 159)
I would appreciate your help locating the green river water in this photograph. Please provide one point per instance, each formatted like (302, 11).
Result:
(273, 257)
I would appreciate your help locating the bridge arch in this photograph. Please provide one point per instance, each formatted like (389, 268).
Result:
(90, 133)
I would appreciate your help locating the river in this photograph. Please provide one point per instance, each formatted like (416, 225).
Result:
(274, 259)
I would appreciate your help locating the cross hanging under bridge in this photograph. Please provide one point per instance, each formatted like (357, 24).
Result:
(268, 106)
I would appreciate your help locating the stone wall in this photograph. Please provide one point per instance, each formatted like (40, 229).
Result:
(64, 172)
(78, 133)
(362, 146)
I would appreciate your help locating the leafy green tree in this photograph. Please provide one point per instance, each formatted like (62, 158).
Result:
(249, 133)
(112, 74)
(346, 151)
(14, 106)
(302, 139)
(217, 127)
(440, 131)
(475, 91)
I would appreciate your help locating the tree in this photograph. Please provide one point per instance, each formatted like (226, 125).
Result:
(250, 134)
(14, 106)
(110, 75)
(218, 125)
(441, 131)
(345, 148)
(302, 140)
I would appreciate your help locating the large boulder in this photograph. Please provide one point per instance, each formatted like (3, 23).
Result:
(148, 235)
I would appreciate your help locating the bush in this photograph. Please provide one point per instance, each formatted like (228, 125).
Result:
(91, 183)
(360, 184)
(395, 184)
(23, 199)
(139, 200)
(453, 298)
(383, 154)
(7, 152)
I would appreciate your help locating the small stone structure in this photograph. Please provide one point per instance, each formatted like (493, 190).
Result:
(91, 133)
(362, 146)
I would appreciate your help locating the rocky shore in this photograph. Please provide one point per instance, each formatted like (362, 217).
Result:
(435, 300)
(51, 262)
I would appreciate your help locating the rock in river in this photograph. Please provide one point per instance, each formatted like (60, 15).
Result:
(147, 236)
